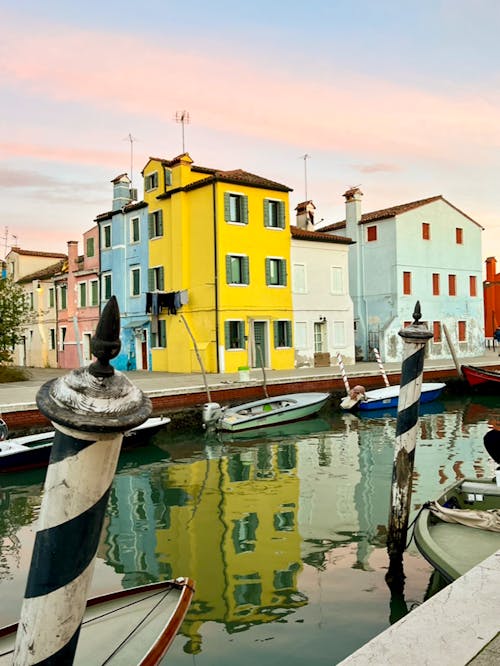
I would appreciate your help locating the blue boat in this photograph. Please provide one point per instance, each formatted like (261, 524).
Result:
(388, 396)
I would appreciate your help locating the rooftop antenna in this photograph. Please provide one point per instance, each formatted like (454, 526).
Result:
(131, 139)
(5, 239)
(305, 157)
(182, 117)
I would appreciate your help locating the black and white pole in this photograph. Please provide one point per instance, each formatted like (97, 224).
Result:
(415, 338)
(91, 408)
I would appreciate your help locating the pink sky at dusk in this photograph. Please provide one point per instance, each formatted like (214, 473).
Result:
(73, 91)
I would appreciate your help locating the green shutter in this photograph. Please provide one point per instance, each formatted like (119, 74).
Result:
(160, 222)
(161, 278)
(226, 335)
(266, 212)
(244, 210)
(228, 269)
(289, 333)
(276, 333)
(283, 274)
(241, 334)
(268, 270)
(281, 214)
(162, 333)
(150, 225)
(246, 270)
(151, 279)
(226, 206)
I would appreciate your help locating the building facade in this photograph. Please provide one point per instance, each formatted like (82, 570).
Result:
(427, 251)
(491, 295)
(219, 260)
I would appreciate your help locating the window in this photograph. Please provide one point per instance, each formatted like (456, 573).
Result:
(155, 224)
(300, 335)
(135, 281)
(167, 174)
(82, 295)
(94, 292)
(435, 284)
(235, 208)
(459, 236)
(299, 279)
(106, 286)
(151, 181)
(134, 230)
(462, 331)
(274, 214)
(237, 269)
(90, 247)
(426, 231)
(319, 337)
(159, 337)
(156, 278)
(234, 331)
(371, 233)
(63, 297)
(338, 329)
(62, 337)
(436, 329)
(283, 333)
(276, 272)
(452, 285)
(406, 282)
(336, 280)
(52, 342)
(472, 285)
(106, 236)
(51, 297)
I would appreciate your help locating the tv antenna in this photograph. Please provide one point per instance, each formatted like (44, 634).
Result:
(5, 239)
(182, 117)
(305, 157)
(131, 139)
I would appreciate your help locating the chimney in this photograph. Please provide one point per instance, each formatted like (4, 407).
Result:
(352, 209)
(305, 215)
(72, 256)
(121, 191)
(491, 269)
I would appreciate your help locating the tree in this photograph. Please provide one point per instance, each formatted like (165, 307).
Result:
(14, 314)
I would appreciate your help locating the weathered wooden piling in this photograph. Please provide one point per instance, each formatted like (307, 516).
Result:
(415, 338)
(91, 408)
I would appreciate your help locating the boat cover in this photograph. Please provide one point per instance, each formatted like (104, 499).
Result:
(484, 520)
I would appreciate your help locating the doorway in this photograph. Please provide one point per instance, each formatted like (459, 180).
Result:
(260, 350)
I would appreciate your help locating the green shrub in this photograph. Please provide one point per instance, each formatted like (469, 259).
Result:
(12, 373)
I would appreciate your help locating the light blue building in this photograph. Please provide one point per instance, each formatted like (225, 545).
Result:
(427, 251)
(123, 239)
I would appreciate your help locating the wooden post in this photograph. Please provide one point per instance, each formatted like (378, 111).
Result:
(90, 408)
(415, 338)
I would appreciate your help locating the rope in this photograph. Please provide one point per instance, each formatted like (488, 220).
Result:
(340, 361)
(381, 367)
(412, 524)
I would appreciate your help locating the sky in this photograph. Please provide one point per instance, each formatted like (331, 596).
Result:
(398, 97)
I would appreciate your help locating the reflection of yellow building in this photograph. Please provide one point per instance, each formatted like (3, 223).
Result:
(220, 241)
(238, 538)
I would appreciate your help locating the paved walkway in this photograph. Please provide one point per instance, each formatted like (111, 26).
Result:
(458, 626)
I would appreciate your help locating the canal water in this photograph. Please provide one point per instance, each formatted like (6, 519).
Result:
(284, 533)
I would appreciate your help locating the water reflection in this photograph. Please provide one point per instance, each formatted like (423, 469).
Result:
(284, 534)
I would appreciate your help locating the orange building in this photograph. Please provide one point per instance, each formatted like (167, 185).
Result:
(491, 295)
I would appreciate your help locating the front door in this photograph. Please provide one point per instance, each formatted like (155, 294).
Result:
(260, 355)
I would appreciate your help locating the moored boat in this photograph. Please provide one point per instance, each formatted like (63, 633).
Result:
(388, 396)
(133, 626)
(264, 413)
(453, 548)
(31, 451)
(475, 376)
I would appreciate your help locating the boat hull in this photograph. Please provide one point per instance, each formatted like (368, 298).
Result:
(32, 451)
(110, 619)
(475, 376)
(272, 411)
(451, 548)
(387, 398)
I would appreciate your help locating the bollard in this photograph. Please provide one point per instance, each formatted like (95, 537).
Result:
(415, 338)
(90, 408)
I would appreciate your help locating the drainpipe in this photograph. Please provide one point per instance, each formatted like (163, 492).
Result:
(216, 278)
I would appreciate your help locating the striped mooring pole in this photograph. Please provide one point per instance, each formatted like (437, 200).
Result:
(91, 408)
(415, 338)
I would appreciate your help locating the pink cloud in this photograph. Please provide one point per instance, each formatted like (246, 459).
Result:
(61, 154)
(352, 113)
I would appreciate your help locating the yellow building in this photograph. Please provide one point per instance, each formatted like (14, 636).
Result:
(219, 244)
